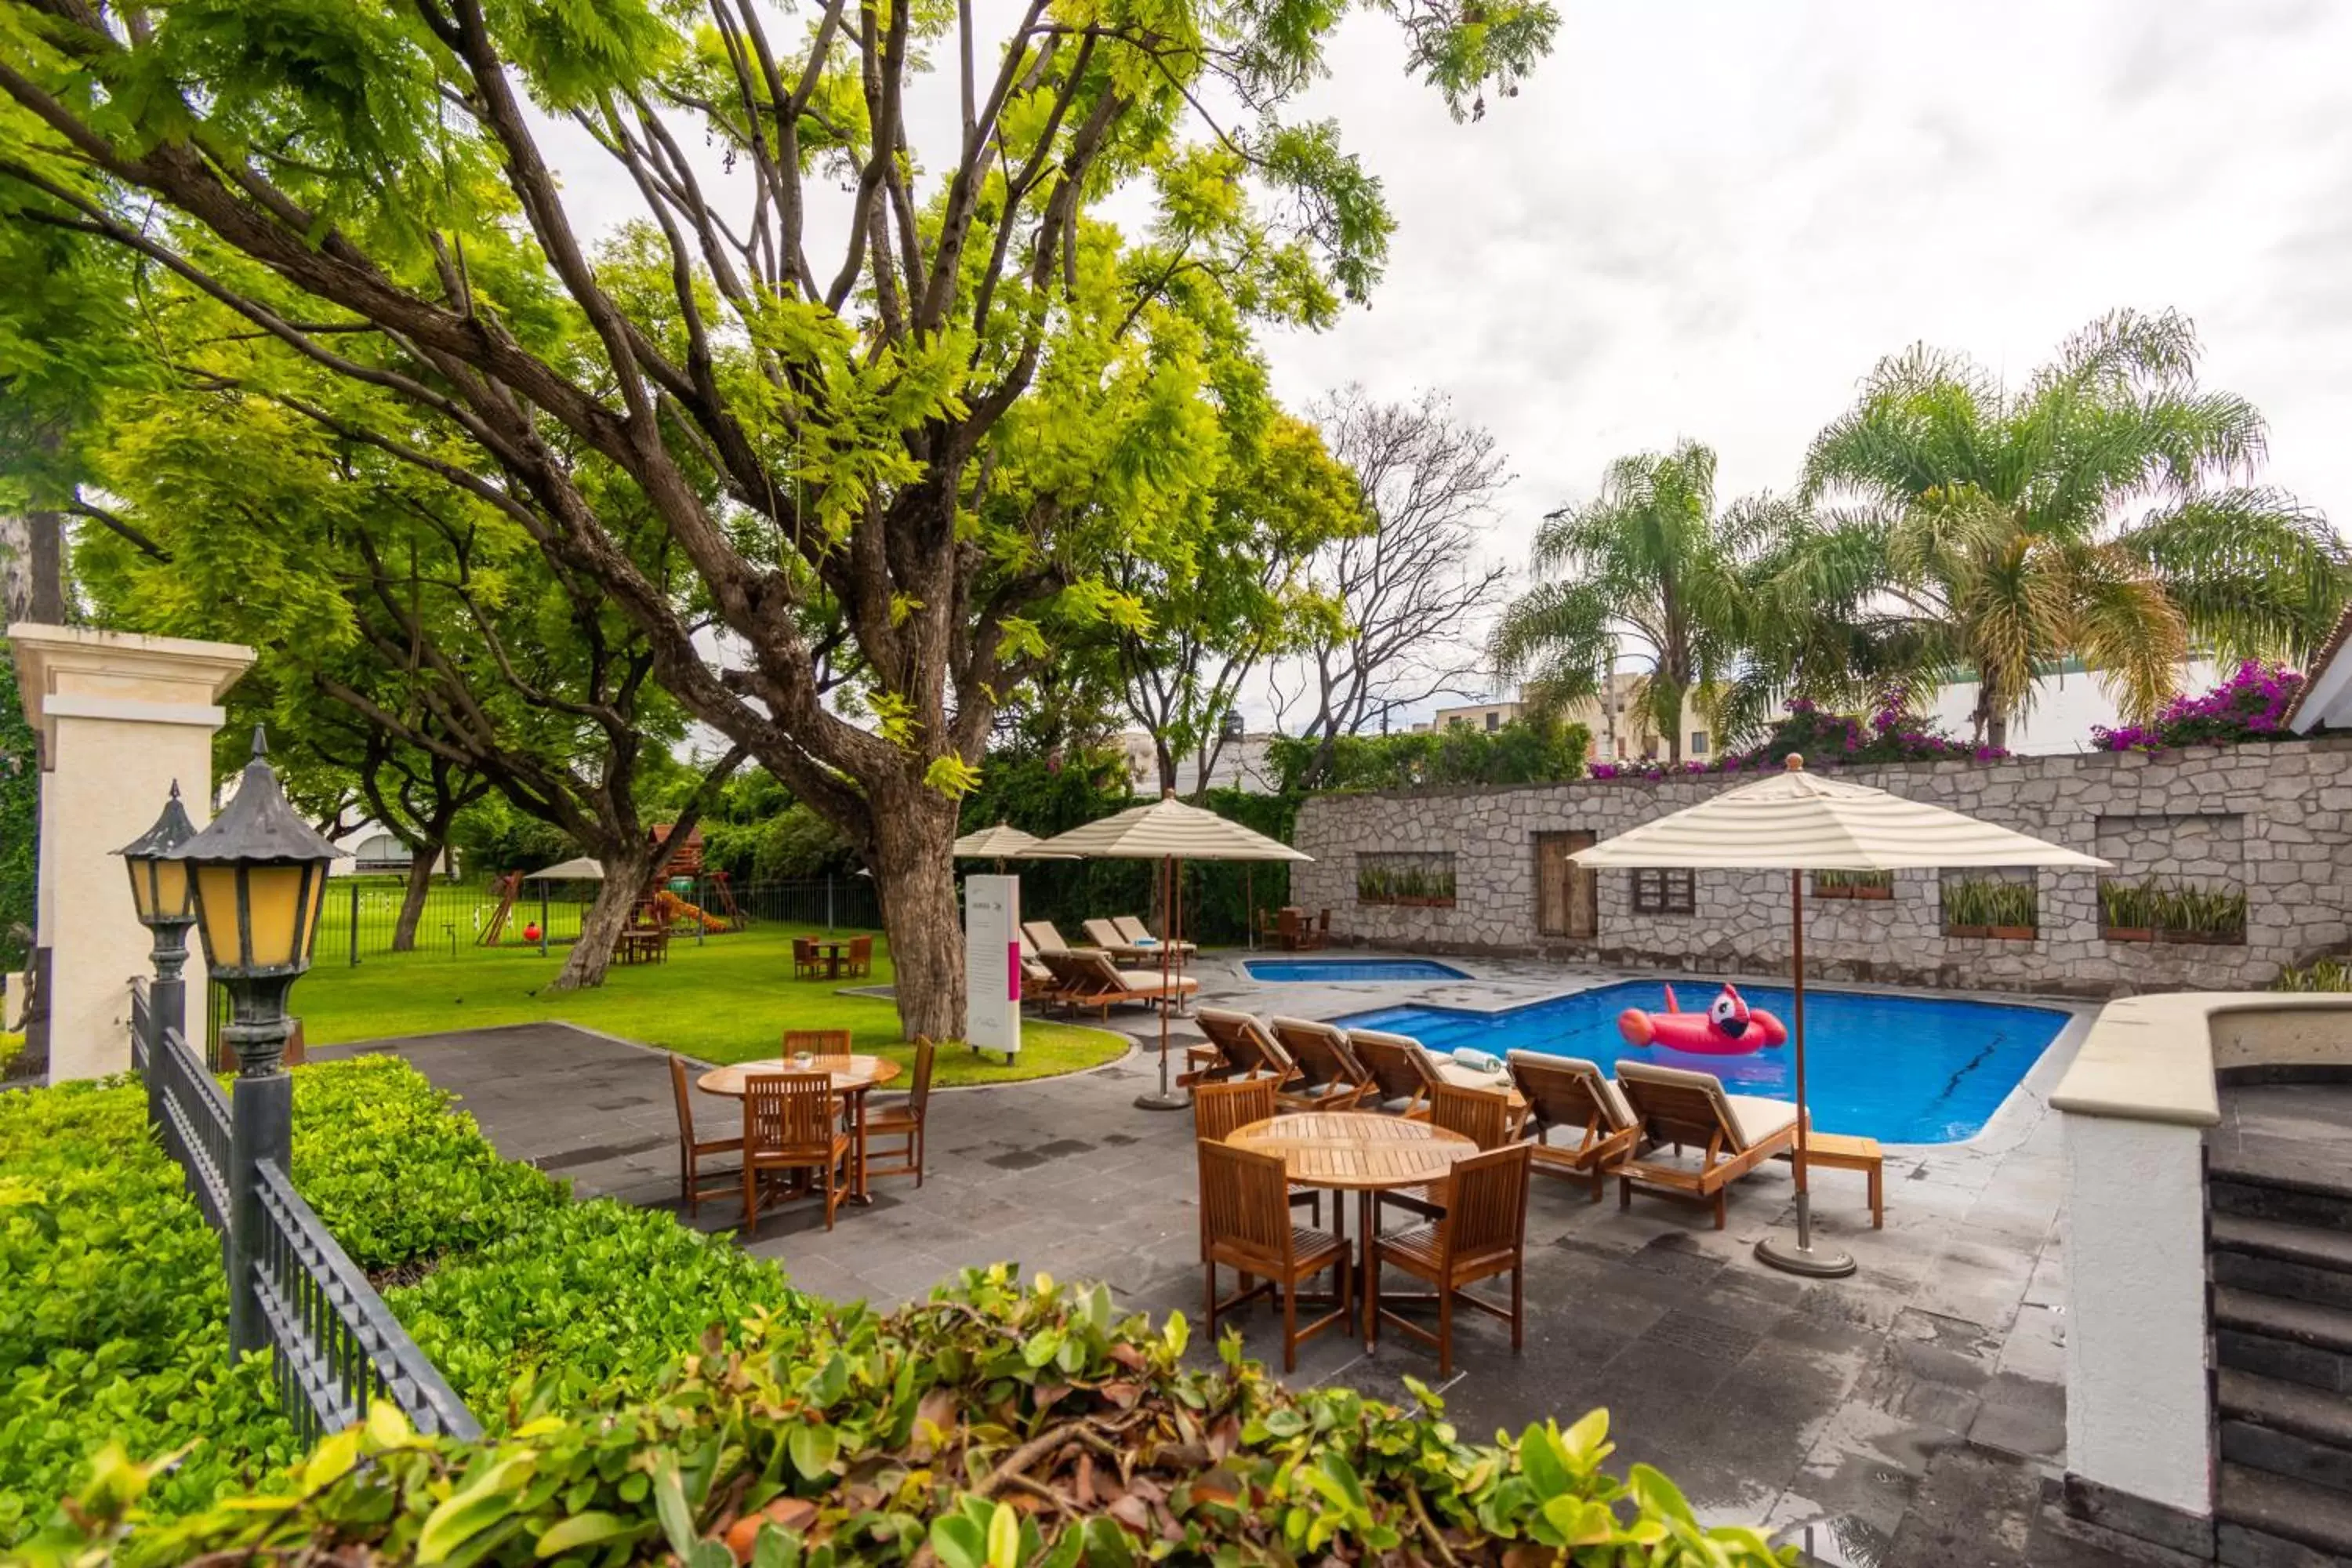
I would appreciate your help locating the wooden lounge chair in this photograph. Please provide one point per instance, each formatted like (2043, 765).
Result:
(1136, 933)
(1482, 1233)
(1087, 978)
(693, 1186)
(1048, 938)
(1222, 1108)
(1401, 1076)
(1105, 936)
(902, 1119)
(1246, 1047)
(1329, 1076)
(1735, 1133)
(1038, 982)
(1246, 1226)
(791, 1122)
(1571, 1092)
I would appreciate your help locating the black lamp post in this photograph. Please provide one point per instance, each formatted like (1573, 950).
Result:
(259, 875)
(166, 905)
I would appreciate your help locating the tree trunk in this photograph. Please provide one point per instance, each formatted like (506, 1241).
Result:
(626, 874)
(412, 900)
(914, 829)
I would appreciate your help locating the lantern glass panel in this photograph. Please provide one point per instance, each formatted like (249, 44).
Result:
(174, 895)
(216, 915)
(276, 907)
(142, 897)
(315, 900)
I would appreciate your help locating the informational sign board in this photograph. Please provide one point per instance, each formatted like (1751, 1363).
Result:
(992, 964)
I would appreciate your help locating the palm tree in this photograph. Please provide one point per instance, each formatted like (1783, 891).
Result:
(2107, 510)
(1646, 567)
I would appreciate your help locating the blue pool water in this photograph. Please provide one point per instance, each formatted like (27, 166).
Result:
(1902, 1068)
(1345, 969)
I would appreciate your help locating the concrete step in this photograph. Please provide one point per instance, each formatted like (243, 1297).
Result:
(2272, 1336)
(2276, 1258)
(2279, 1453)
(2285, 1406)
(2258, 1189)
(2269, 1522)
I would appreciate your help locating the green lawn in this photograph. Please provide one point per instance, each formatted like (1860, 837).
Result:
(727, 1000)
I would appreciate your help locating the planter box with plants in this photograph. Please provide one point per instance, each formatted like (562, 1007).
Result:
(2158, 910)
(1417, 879)
(1990, 908)
(1872, 885)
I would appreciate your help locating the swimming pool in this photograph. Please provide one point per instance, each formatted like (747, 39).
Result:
(1906, 1069)
(1328, 970)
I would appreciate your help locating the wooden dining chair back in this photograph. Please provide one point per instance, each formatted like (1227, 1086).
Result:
(1245, 1226)
(1481, 1115)
(692, 1185)
(1223, 1107)
(1285, 929)
(805, 959)
(901, 1121)
(861, 955)
(1482, 1234)
(1329, 1076)
(828, 1049)
(1395, 1064)
(792, 1124)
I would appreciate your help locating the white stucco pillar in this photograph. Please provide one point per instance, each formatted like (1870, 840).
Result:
(121, 717)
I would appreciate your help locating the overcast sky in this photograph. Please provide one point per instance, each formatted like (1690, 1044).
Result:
(1709, 219)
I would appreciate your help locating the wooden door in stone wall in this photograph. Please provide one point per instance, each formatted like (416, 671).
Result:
(1567, 899)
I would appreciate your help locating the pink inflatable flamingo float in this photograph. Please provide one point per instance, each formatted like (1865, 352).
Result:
(1728, 1029)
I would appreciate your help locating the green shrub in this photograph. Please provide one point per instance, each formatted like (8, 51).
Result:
(12, 1045)
(2158, 905)
(397, 1173)
(2320, 974)
(1991, 901)
(1826, 881)
(992, 1427)
(590, 1294)
(113, 1303)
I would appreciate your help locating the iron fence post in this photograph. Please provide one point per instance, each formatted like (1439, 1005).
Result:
(828, 904)
(261, 1127)
(355, 923)
(167, 1012)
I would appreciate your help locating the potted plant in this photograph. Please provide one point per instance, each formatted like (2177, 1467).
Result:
(2012, 911)
(2206, 916)
(1966, 908)
(1878, 885)
(2128, 911)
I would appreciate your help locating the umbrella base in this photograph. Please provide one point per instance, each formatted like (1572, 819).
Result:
(1813, 1262)
(1164, 1101)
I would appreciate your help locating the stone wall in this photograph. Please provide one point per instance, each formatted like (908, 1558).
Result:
(2270, 818)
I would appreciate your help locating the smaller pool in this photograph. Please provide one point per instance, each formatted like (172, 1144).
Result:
(1331, 971)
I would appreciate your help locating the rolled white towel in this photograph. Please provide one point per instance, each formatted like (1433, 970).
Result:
(1477, 1060)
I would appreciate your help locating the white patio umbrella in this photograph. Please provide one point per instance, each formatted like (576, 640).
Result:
(578, 870)
(1806, 823)
(1171, 831)
(1003, 843)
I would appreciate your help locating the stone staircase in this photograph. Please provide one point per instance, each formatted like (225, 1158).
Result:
(2279, 1249)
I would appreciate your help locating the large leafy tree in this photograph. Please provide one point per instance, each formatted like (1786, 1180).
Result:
(2107, 509)
(894, 412)
(1646, 571)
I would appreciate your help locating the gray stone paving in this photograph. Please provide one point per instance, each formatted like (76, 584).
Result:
(1911, 1413)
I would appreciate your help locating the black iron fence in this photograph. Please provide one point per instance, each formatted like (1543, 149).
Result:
(362, 917)
(334, 1345)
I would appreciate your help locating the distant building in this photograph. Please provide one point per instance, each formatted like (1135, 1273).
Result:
(1240, 765)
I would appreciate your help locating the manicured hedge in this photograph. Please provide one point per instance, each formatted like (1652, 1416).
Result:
(111, 1306)
(113, 1303)
(993, 1427)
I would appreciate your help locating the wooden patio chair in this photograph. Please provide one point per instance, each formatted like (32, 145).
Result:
(1246, 1045)
(1484, 1116)
(1246, 1226)
(692, 1186)
(1087, 978)
(861, 955)
(1105, 936)
(806, 964)
(901, 1119)
(792, 1123)
(1399, 1069)
(1222, 1109)
(1573, 1093)
(1482, 1233)
(1329, 1076)
(1038, 982)
(1048, 938)
(1285, 929)
(1734, 1132)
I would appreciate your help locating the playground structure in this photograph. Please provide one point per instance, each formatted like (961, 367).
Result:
(664, 907)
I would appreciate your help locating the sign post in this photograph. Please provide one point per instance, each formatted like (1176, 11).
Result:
(992, 964)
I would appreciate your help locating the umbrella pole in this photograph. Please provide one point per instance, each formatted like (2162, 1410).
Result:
(1167, 1099)
(1801, 1259)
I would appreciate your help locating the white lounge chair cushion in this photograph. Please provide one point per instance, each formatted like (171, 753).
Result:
(1152, 980)
(1749, 1119)
(1613, 1098)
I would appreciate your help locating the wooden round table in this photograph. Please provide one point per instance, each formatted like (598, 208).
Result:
(1362, 1152)
(851, 1083)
